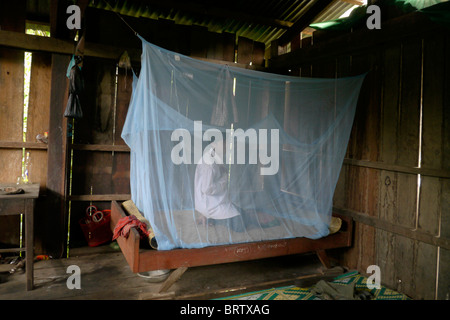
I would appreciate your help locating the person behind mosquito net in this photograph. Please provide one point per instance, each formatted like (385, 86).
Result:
(212, 198)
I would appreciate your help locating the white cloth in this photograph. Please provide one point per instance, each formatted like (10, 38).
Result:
(211, 192)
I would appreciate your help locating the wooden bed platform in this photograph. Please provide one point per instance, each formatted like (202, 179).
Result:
(142, 260)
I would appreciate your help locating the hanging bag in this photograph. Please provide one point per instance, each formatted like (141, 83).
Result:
(95, 226)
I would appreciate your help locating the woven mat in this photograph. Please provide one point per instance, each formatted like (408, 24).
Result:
(296, 293)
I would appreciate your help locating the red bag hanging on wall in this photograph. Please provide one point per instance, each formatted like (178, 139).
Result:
(96, 226)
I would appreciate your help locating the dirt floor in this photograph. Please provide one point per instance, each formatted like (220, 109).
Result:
(105, 275)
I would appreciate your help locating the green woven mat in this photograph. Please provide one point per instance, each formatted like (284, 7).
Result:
(296, 293)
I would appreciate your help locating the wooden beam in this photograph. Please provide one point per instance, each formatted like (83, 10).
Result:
(99, 197)
(52, 45)
(398, 168)
(100, 147)
(393, 228)
(21, 145)
(311, 12)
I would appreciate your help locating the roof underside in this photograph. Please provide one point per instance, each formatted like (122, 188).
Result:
(261, 20)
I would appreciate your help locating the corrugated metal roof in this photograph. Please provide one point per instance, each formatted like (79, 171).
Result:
(259, 20)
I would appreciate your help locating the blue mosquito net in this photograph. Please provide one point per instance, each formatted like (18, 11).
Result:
(212, 164)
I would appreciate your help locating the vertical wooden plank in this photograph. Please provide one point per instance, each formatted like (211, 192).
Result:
(407, 154)
(296, 43)
(259, 49)
(391, 100)
(430, 205)
(58, 18)
(433, 95)
(362, 183)
(425, 271)
(124, 91)
(39, 98)
(215, 46)
(121, 173)
(91, 169)
(391, 80)
(443, 290)
(229, 44)
(11, 111)
(38, 113)
(165, 36)
(388, 150)
(57, 158)
(198, 45)
(404, 265)
(445, 203)
(324, 69)
(121, 161)
(306, 70)
(432, 133)
(409, 114)
(388, 153)
(245, 50)
(96, 126)
(444, 255)
(37, 123)
(385, 257)
(183, 39)
(343, 69)
(12, 94)
(12, 18)
(406, 200)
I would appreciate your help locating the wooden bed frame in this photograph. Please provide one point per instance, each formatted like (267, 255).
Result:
(142, 260)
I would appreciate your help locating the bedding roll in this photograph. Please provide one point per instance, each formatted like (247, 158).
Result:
(131, 209)
(335, 225)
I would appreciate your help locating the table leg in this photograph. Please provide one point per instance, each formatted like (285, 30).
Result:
(29, 242)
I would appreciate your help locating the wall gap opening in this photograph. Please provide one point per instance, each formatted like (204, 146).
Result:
(38, 30)
(419, 157)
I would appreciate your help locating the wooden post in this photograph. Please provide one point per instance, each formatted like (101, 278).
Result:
(29, 241)
(57, 157)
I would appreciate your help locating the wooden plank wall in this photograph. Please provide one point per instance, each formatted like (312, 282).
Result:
(100, 156)
(100, 167)
(395, 178)
(11, 115)
(12, 143)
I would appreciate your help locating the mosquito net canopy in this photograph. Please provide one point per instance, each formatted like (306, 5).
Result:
(211, 162)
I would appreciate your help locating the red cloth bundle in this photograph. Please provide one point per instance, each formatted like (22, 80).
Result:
(124, 225)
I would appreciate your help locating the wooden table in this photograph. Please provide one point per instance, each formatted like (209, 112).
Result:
(17, 204)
